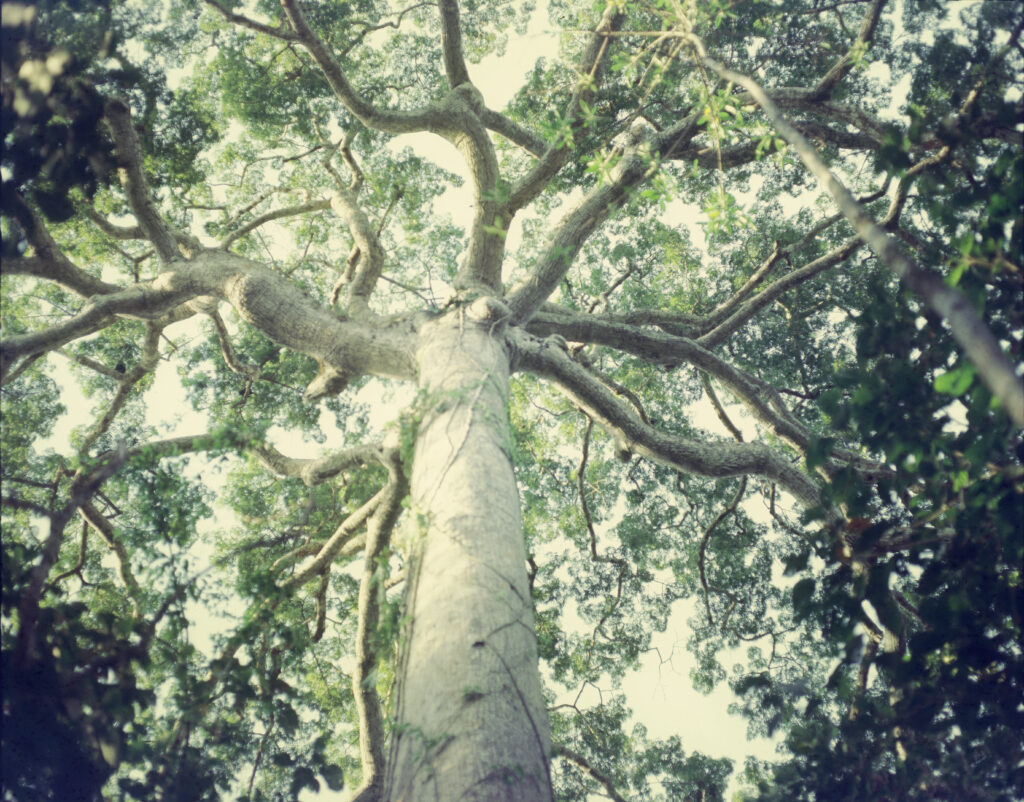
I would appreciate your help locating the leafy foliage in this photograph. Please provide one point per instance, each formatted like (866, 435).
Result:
(160, 630)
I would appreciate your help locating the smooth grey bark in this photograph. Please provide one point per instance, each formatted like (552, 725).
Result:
(470, 721)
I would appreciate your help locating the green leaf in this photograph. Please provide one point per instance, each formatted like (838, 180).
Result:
(288, 719)
(333, 776)
(795, 563)
(957, 381)
(818, 451)
(803, 593)
(303, 778)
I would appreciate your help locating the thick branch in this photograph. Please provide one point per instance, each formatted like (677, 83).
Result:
(370, 262)
(316, 471)
(636, 165)
(129, 154)
(481, 266)
(281, 311)
(263, 298)
(715, 460)
(451, 43)
(172, 446)
(457, 119)
(570, 234)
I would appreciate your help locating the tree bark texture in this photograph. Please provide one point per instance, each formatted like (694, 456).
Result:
(470, 716)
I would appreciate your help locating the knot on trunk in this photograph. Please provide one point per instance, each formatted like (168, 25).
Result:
(328, 381)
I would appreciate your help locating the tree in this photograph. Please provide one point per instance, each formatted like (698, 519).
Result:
(549, 492)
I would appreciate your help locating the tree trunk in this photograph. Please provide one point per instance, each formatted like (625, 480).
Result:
(470, 716)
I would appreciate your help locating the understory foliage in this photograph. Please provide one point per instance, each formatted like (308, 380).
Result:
(724, 405)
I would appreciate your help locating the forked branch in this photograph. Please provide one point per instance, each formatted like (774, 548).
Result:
(316, 471)
(49, 261)
(391, 121)
(150, 357)
(251, 24)
(557, 154)
(142, 299)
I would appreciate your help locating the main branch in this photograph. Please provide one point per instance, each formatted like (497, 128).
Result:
(714, 460)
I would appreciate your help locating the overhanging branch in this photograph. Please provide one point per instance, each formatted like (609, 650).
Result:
(761, 399)
(276, 214)
(49, 261)
(148, 299)
(251, 24)
(714, 460)
(992, 365)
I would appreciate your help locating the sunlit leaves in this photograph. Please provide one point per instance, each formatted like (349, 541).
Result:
(955, 382)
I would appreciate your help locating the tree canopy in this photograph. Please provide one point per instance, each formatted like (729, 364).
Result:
(728, 310)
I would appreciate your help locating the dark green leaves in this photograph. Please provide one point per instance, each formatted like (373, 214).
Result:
(819, 450)
(803, 592)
